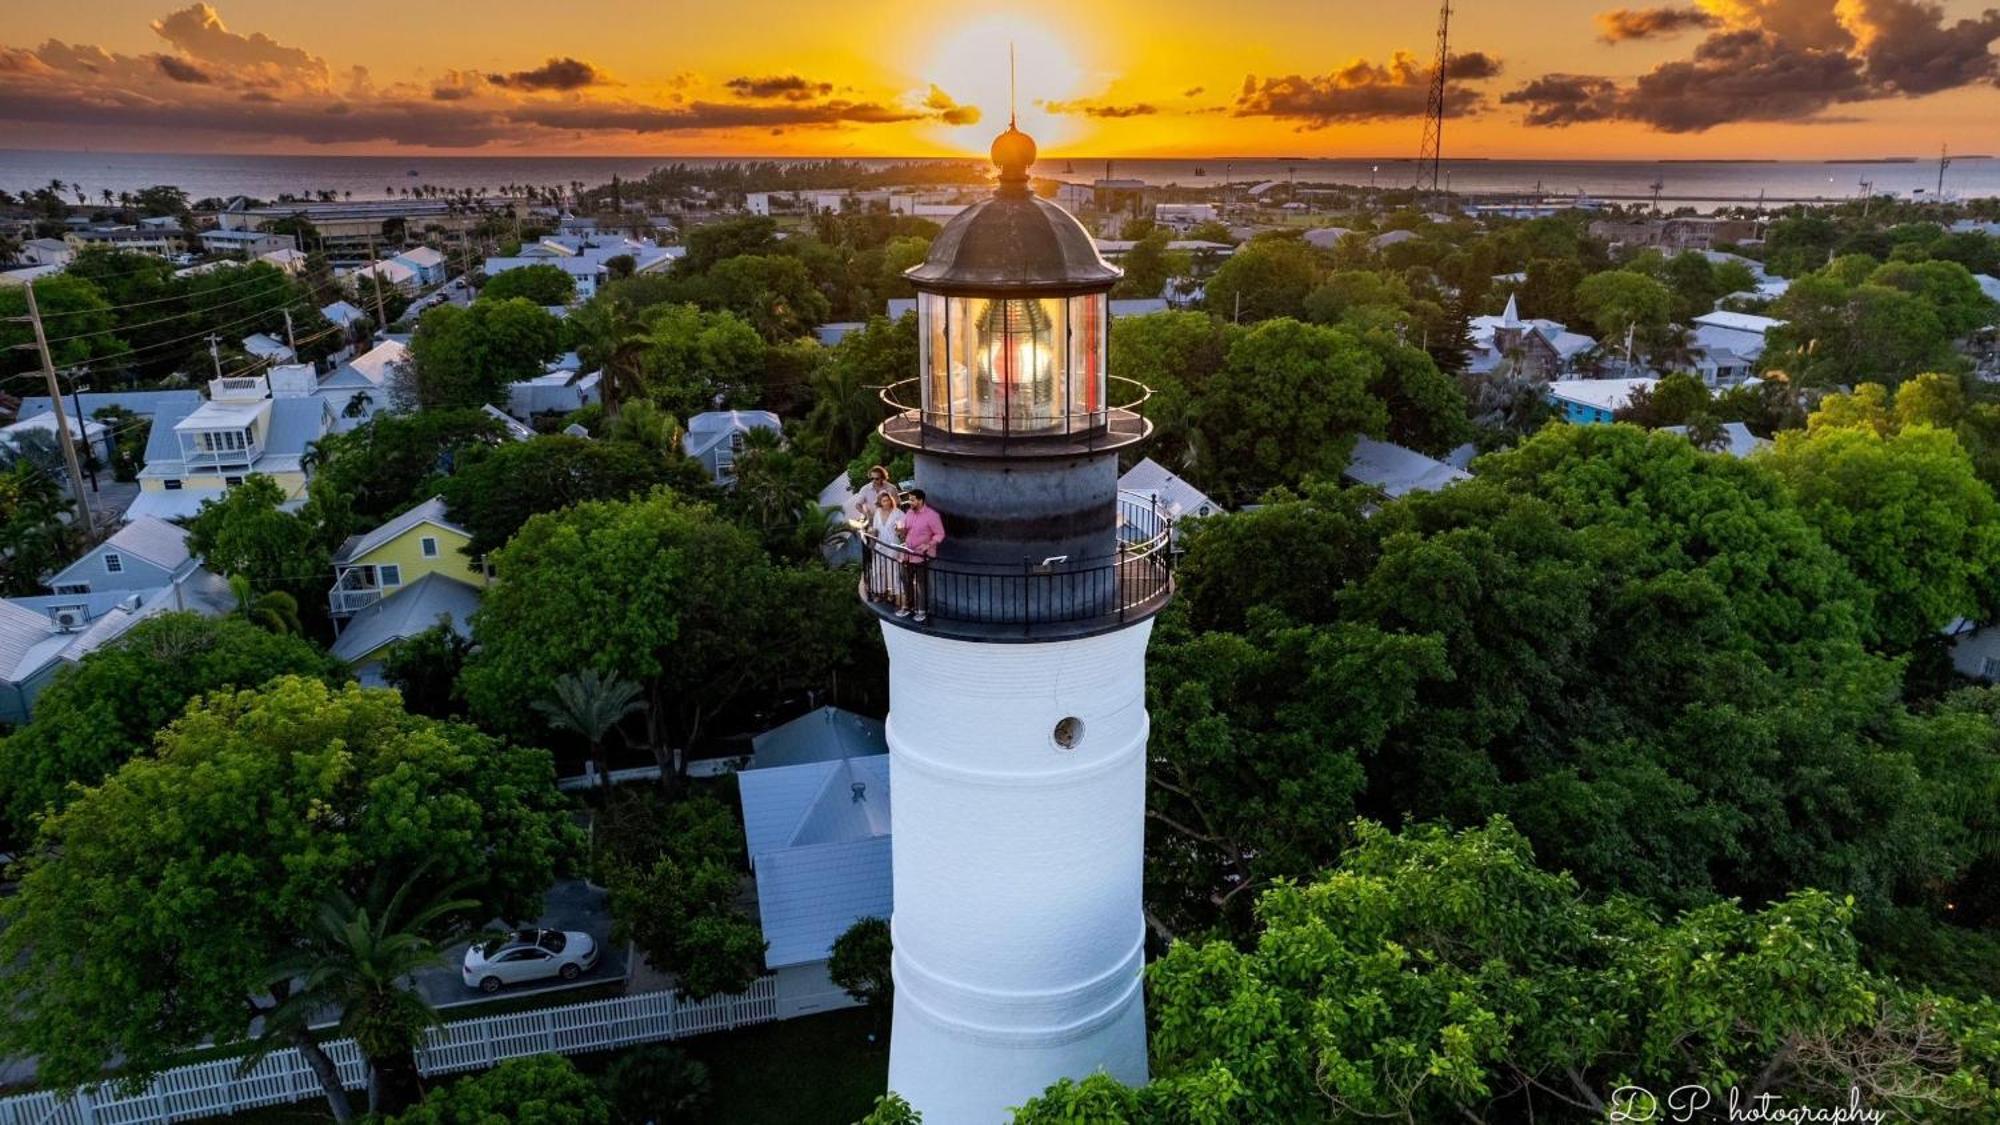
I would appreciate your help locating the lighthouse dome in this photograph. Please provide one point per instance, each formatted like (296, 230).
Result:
(1014, 241)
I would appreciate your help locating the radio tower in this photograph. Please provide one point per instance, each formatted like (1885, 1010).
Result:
(1431, 157)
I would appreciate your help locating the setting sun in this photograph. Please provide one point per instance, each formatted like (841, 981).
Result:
(972, 58)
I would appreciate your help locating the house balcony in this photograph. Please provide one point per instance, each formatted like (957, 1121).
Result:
(1035, 599)
(356, 588)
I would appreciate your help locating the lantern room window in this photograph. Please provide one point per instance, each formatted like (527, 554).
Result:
(1013, 365)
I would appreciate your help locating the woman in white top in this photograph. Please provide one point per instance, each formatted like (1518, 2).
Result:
(884, 528)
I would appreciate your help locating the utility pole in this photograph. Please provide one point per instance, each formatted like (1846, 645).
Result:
(1944, 161)
(375, 276)
(63, 437)
(215, 353)
(291, 339)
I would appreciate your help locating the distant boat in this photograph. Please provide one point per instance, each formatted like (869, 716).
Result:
(1200, 171)
(1068, 168)
(411, 172)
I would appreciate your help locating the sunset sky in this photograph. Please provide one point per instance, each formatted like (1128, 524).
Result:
(1532, 78)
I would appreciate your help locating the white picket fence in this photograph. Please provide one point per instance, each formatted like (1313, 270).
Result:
(213, 1089)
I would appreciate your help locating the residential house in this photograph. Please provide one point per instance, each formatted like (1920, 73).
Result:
(824, 734)
(391, 272)
(1737, 440)
(268, 348)
(247, 244)
(360, 388)
(40, 636)
(1326, 238)
(47, 252)
(290, 260)
(28, 274)
(343, 314)
(818, 839)
(1390, 238)
(1398, 471)
(145, 554)
(515, 429)
(1594, 401)
(716, 439)
(1674, 235)
(240, 430)
(427, 263)
(1975, 650)
(367, 638)
(1726, 345)
(556, 392)
(91, 436)
(1536, 348)
(379, 564)
(584, 258)
(1177, 498)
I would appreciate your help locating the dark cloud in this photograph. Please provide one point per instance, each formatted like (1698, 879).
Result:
(1194, 91)
(1102, 109)
(1910, 50)
(556, 74)
(198, 31)
(790, 87)
(1621, 24)
(1780, 61)
(1471, 67)
(450, 93)
(180, 70)
(1361, 91)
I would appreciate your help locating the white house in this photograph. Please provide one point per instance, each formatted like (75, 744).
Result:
(1727, 345)
(1326, 238)
(824, 734)
(270, 349)
(717, 437)
(1183, 217)
(1538, 348)
(47, 252)
(343, 314)
(818, 838)
(240, 430)
(1975, 650)
(392, 273)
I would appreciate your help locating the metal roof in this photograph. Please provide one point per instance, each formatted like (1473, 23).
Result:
(1399, 471)
(823, 735)
(1177, 496)
(430, 511)
(407, 612)
(1014, 240)
(819, 841)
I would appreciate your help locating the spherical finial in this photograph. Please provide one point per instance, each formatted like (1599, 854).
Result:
(1013, 151)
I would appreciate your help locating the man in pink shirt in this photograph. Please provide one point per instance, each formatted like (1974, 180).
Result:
(922, 532)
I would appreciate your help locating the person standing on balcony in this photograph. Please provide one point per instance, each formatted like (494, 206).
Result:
(883, 532)
(923, 530)
(873, 489)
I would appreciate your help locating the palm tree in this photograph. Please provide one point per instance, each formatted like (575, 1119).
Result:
(644, 424)
(592, 707)
(274, 610)
(615, 341)
(359, 960)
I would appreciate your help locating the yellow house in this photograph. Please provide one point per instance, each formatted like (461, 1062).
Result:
(240, 430)
(399, 580)
(380, 563)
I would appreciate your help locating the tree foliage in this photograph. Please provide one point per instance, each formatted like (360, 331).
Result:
(145, 922)
(541, 285)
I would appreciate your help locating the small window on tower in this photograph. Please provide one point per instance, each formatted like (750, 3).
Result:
(1068, 733)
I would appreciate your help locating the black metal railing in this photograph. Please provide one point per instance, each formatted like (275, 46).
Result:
(947, 430)
(1034, 596)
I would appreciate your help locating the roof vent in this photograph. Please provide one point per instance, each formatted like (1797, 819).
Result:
(860, 791)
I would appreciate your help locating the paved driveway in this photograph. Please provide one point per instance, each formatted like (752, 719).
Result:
(571, 905)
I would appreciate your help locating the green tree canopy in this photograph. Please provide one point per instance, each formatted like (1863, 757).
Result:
(545, 1089)
(391, 463)
(1265, 278)
(465, 357)
(661, 591)
(699, 360)
(543, 286)
(247, 532)
(147, 919)
(498, 488)
(1287, 405)
(1433, 976)
(104, 710)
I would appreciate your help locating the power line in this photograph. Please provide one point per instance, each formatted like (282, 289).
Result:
(161, 320)
(155, 300)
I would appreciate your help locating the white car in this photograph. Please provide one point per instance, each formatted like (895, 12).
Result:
(528, 955)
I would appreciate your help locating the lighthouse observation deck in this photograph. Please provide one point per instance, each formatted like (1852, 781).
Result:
(1032, 599)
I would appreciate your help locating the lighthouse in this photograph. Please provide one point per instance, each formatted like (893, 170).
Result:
(1017, 724)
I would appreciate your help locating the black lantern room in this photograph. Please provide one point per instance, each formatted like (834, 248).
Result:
(1016, 424)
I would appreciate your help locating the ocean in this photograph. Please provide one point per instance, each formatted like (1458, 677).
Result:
(1703, 184)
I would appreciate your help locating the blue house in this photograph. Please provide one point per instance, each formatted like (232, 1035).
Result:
(1594, 401)
(145, 554)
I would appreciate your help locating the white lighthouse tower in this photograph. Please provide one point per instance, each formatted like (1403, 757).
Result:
(1017, 725)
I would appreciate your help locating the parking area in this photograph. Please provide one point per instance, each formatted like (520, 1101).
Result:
(571, 904)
